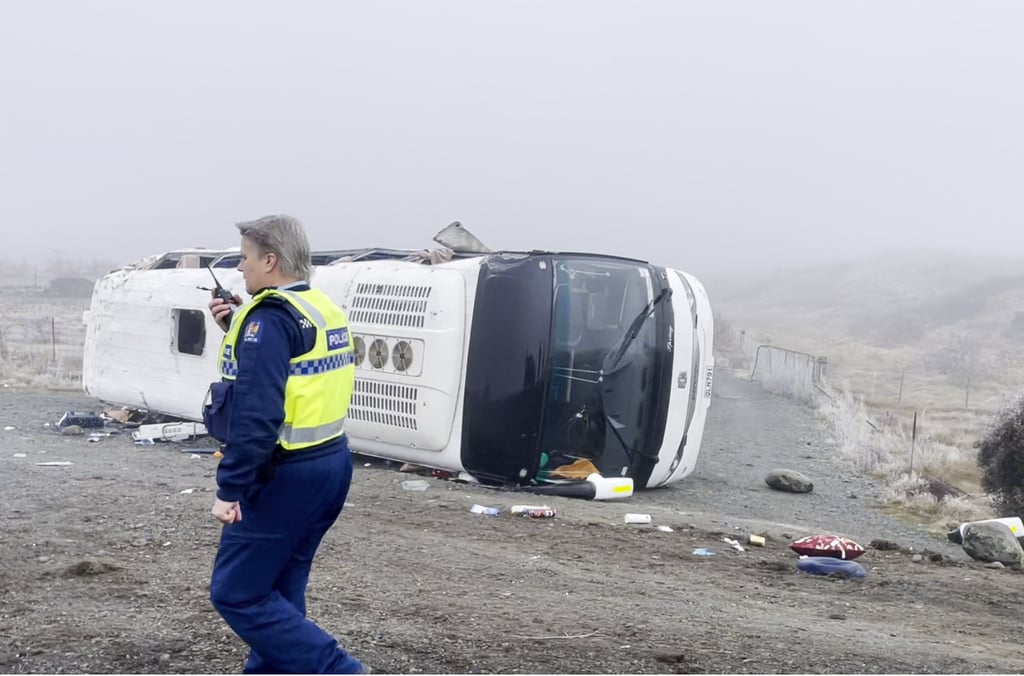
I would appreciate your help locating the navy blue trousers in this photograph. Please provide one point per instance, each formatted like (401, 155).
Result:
(262, 567)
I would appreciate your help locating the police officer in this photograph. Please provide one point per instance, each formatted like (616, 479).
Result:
(287, 377)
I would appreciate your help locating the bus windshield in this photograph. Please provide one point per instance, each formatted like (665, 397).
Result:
(601, 403)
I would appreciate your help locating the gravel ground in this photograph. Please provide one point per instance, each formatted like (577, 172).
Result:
(104, 567)
(751, 432)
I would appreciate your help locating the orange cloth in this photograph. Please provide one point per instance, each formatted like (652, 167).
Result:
(580, 469)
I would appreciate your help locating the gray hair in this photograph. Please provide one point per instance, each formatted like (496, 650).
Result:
(285, 237)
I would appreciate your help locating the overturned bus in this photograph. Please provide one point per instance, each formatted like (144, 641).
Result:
(502, 365)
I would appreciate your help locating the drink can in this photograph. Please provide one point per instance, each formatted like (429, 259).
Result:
(534, 511)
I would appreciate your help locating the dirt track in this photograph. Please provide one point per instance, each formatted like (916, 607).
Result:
(104, 567)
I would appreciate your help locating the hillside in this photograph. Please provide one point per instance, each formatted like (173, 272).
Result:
(909, 315)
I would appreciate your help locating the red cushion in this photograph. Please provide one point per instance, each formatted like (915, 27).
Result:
(827, 545)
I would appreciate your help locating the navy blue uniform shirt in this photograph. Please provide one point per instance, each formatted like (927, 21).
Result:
(273, 334)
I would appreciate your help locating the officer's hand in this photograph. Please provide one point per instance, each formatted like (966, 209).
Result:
(226, 512)
(221, 310)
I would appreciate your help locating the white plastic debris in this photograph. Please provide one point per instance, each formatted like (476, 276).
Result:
(8, 428)
(637, 518)
(415, 485)
(734, 544)
(55, 463)
(187, 491)
(481, 509)
(21, 455)
(195, 456)
(665, 529)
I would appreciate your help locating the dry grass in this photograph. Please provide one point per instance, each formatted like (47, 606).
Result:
(884, 440)
(41, 339)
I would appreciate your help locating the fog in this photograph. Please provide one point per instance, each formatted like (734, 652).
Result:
(711, 136)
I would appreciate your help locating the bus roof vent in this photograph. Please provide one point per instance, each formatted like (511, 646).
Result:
(403, 305)
(387, 404)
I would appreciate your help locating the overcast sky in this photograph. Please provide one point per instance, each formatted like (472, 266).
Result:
(702, 135)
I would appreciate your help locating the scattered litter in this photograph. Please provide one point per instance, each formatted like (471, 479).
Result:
(8, 428)
(120, 415)
(203, 451)
(176, 431)
(756, 540)
(637, 518)
(166, 544)
(195, 456)
(144, 442)
(367, 464)
(480, 509)
(700, 551)
(21, 455)
(55, 463)
(415, 485)
(83, 420)
(534, 511)
(187, 491)
(665, 529)
(734, 544)
(93, 440)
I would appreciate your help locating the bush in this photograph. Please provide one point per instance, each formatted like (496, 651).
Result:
(1001, 458)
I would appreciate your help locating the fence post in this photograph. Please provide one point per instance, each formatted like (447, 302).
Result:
(53, 337)
(913, 439)
(899, 399)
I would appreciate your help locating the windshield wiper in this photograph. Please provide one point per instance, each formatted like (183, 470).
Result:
(614, 356)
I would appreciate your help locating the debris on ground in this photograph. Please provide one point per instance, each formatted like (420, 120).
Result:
(637, 518)
(1013, 522)
(827, 545)
(175, 431)
(81, 420)
(488, 511)
(415, 485)
(827, 565)
(990, 541)
(789, 481)
(734, 544)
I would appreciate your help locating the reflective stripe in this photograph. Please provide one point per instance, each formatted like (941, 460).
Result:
(318, 317)
(229, 367)
(309, 435)
(308, 367)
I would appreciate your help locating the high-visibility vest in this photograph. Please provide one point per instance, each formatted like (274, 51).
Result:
(320, 382)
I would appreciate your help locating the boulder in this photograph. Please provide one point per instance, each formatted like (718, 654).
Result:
(992, 541)
(789, 481)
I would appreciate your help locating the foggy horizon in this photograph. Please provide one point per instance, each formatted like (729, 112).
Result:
(705, 136)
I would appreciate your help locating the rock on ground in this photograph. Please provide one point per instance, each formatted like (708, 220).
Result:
(992, 541)
(789, 480)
